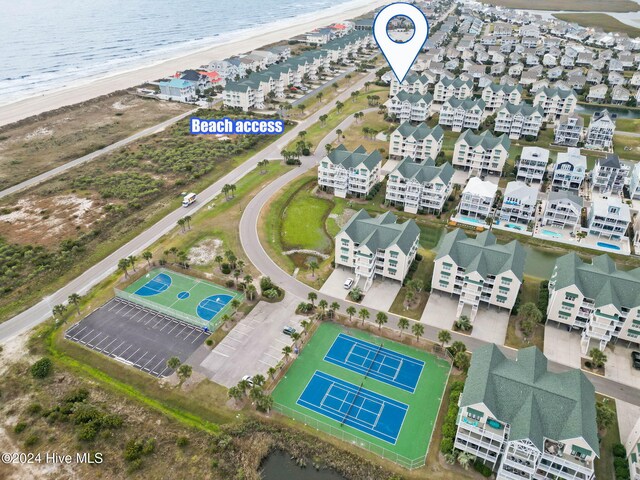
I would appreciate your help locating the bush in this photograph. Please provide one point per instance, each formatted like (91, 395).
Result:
(88, 432)
(34, 409)
(482, 469)
(20, 427)
(31, 440)
(42, 368)
(622, 472)
(225, 268)
(619, 451)
(182, 442)
(209, 342)
(75, 396)
(230, 283)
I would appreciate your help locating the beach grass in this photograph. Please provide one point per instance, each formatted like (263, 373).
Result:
(600, 20)
(570, 5)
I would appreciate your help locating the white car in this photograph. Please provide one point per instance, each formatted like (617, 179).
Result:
(348, 283)
(249, 380)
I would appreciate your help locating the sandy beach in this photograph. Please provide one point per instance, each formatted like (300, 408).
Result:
(101, 86)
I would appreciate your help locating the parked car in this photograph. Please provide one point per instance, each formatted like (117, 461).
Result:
(635, 358)
(348, 283)
(289, 330)
(248, 379)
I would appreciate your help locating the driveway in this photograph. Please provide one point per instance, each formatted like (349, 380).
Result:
(628, 415)
(380, 295)
(490, 325)
(562, 346)
(619, 368)
(440, 311)
(254, 345)
(334, 285)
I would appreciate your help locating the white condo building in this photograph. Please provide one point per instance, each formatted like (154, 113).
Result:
(413, 83)
(595, 298)
(532, 164)
(481, 154)
(556, 102)
(377, 246)
(526, 422)
(410, 107)
(632, 446)
(519, 121)
(479, 271)
(459, 114)
(600, 131)
(416, 141)
(419, 187)
(495, 95)
(518, 204)
(476, 201)
(457, 88)
(349, 173)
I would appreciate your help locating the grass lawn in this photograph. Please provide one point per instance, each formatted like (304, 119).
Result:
(424, 273)
(632, 143)
(628, 125)
(571, 5)
(600, 20)
(417, 426)
(604, 465)
(303, 220)
(353, 136)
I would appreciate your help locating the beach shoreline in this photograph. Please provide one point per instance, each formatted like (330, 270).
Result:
(270, 33)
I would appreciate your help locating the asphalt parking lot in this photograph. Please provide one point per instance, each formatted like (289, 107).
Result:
(137, 336)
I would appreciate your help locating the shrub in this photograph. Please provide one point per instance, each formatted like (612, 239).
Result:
(225, 268)
(619, 451)
(42, 368)
(182, 442)
(482, 469)
(446, 445)
(230, 283)
(209, 342)
(20, 427)
(75, 396)
(88, 432)
(112, 421)
(31, 440)
(34, 409)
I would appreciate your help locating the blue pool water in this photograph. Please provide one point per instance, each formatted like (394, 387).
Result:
(608, 245)
(471, 220)
(549, 233)
(514, 226)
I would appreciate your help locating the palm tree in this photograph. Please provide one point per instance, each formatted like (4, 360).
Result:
(173, 363)
(465, 459)
(251, 291)
(444, 337)
(458, 346)
(265, 403)
(184, 372)
(219, 259)
(334, 308)
(258, 380)
(328, 148)
(339, 106)
(313, 266)
(461, 361)
(187, 220)
(243, 386)
(319, 96)
(235, 393)
(58, 310)
(339, 133)
(123, 265)
(235, 303)
(74, 299)
(364, 314)
(351, 311)
(295, 336)
(323, 119)
(247, 279)
(132, 259)
(403, 324)
(181, 223)
(312, 296)
(272, 372)
(286, 351)
(323, 304)
(418, 330)
(381, 319)
(305, 324)
(236, 276)
(147, 255)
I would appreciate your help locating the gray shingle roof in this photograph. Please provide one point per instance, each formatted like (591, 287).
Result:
(496, 87)
(420, 131)
(466, 103)
(523, 108)
(552, 92)
(382, 231)
(485, 139)
(341, 156)
(424, 172)
(413, 98)
(456, 82)
(536, 403)
(483, 254)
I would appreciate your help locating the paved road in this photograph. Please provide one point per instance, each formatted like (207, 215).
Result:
(92, 156)
(81, 284)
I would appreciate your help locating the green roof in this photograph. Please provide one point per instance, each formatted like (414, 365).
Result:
(552, 92)
(496, 87)
(482, 254)
(420, 131)
(405, 96)
(485, 140)
(466, 103)
(523, 108)
(349, 160)
(456, 82)
(536, 403)
(599, 281)
(382, 231)
(424, 172)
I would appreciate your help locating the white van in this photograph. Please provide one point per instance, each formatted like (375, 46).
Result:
(189, 199)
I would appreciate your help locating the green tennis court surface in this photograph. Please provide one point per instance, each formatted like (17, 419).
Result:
(355, 386)
(187, 298)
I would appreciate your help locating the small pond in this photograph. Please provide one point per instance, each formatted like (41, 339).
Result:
(279, 466)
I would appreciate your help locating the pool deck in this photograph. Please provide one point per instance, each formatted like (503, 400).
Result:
(463, 220)
(590, 241)
(503, 226)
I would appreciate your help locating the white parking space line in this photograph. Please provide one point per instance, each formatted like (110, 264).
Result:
(177, 334)
(148, 362)
(114, 350)
(89, 341)
(198, 337)
(77, 334)
(129, 357)
(157, 364)
(219, 353)
(162, 372)
(174, 327)
(105, 338)
(142, 317)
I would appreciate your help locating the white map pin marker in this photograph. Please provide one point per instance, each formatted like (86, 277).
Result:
(400, 55)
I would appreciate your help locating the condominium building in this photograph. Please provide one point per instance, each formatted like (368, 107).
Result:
(569, 171)
(420, 187)
(377, 246)
(526, 422)
(518, 121)
(632, 446)
(456, 87)
(596, 298)
(410, 107)
(481, 154)
(519, 203)
(556, 102)
(600, 131)
(569, 130)
(609, 174)
(478, 270)
(416, 141)
(459, 114)
(609, 218)
(476, 201)
(413, 83)
(495, 95)
(634, 182)
(563, 210)
(348, 173)
(532, 164)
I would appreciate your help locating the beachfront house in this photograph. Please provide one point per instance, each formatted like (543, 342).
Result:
(568, 130)
(476, 202)
(178, 90)
(459, 114)
(518, 204)
(595, 298)
(608, 175)
(609, 218)
(377, 246)
(532, 164)
(416, 141)
(600, 131)
(420, 187)
(481, 154)
(563, 210)
(517, 121)
(479, 271)
(526, 422)
(569, 170)
(348, 173)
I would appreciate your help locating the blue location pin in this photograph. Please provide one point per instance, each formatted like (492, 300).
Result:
(400, 55)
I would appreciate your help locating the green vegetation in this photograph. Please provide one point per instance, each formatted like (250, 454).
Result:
(627, 147)
(610, 436)
(571, 5)
(601, 20)
(303, 222)
(448, 430)
(628, 125)
(42, 368)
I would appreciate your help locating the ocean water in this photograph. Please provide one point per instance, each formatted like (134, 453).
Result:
(49, 44)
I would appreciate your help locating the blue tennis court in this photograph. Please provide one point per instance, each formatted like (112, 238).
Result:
(375, 361)
(352, 405)
(156, 285)
(210, 306)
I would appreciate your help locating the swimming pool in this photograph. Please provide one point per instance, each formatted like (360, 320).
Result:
(608, 245)
(514, 226)
(549, 233)
(471, 220)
